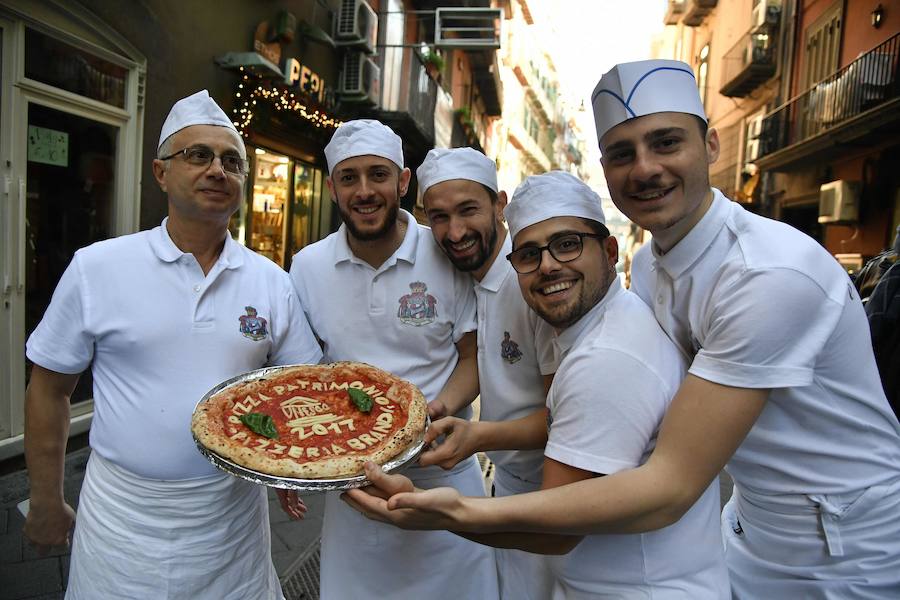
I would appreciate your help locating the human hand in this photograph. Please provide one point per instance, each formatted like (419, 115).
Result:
(436, 410)
(460, 442)
(48, 526)
(393, 499)
(291, 503)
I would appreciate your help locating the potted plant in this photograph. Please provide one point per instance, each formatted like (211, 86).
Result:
(434, 63)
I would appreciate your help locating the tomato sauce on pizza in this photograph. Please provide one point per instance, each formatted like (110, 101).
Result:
(312, 421)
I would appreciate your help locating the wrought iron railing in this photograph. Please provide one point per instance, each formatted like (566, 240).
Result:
(749, 62)
(862, 85)
(406, 87)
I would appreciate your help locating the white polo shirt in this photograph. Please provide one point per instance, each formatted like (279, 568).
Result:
(158, 334)
(617, 375)
(515, 348)
(754, 303)
(404, 317)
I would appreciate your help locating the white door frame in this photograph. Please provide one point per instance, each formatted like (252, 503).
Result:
(17, 93)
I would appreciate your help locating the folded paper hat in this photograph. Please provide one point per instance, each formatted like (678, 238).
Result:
(553, 194)
(196, 109)
(444, 164)
(636, 89)
(363, 137)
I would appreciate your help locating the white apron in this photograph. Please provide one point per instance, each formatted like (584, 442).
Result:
(195, 539)
(814, 547)
(523, 575)
(363, 559)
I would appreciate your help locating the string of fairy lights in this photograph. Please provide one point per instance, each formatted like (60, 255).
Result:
(247, 99)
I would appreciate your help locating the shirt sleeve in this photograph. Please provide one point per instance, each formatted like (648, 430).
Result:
(605, 409)
(466, 318)
(766, 330)
(296, 343)
(61, 342)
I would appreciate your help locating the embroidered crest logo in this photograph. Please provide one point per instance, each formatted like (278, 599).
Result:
(509, 350)
(417, 308)
(253, 326)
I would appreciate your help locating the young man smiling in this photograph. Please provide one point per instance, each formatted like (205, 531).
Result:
(465, 210)
(782, 385)
(616, 376)
(380, 291)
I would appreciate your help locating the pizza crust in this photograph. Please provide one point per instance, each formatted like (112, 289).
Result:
(216, 427)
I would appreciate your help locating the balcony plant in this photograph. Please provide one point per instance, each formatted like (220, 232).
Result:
(434, 63)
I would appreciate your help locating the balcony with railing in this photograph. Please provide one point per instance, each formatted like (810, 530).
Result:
(408, 94)
(750, 62)
(696, 10)
(860, 103)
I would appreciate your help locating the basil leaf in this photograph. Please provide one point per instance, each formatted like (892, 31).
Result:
(361, 399)
(260, 424)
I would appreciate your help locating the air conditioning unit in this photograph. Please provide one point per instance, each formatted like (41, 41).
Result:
(766, 12)
(360, 79)
(356, 25)
(839, 202)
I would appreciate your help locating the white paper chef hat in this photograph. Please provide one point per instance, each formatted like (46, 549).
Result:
(443, 164)
(196, 109)
(362, 137)
(636, 89)
(553, 194)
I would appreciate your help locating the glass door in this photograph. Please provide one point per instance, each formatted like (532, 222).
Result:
(71, 174)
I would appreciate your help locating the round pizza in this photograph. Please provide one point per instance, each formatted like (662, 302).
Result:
(312, 421)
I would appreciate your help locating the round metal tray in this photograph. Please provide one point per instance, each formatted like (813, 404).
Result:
(291, 483)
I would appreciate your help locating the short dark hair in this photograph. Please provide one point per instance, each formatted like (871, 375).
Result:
(491, 194)
(596, 226)
(704, 127)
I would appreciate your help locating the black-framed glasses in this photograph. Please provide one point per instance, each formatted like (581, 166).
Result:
(564, 248)
(202, 156)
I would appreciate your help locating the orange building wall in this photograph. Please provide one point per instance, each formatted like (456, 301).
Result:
(859, 35)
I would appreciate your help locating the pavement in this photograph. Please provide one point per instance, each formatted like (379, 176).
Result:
(26, 576)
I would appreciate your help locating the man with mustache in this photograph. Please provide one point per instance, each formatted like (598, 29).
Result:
(617, 374)
(515, 355)
(380, 291)
(159, 318)
(782, 386)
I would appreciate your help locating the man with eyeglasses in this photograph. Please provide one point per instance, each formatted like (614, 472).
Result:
(464, 206)
(159, 317)
(617, 374)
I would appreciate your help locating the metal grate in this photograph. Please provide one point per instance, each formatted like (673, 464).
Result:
(302, 583)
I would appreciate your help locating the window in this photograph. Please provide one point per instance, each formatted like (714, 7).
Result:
(823, 47)
(703, 72)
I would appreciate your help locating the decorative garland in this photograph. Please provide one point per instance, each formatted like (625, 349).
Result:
(282, 100)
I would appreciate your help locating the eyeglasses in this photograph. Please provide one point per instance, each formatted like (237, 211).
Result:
(565, 248)
(201, 156)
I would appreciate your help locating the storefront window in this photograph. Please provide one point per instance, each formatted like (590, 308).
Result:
(269, 203)
(288, 207)
(56, 63)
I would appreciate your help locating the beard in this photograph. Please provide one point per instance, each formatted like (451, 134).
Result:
(485, 248)
(563, 316)
(390, 221)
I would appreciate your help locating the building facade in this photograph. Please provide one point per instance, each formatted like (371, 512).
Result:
(804, 94)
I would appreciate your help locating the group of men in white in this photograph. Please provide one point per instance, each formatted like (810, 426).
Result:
(608, 413)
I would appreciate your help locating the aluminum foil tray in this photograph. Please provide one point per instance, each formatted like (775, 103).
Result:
(290, 483)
